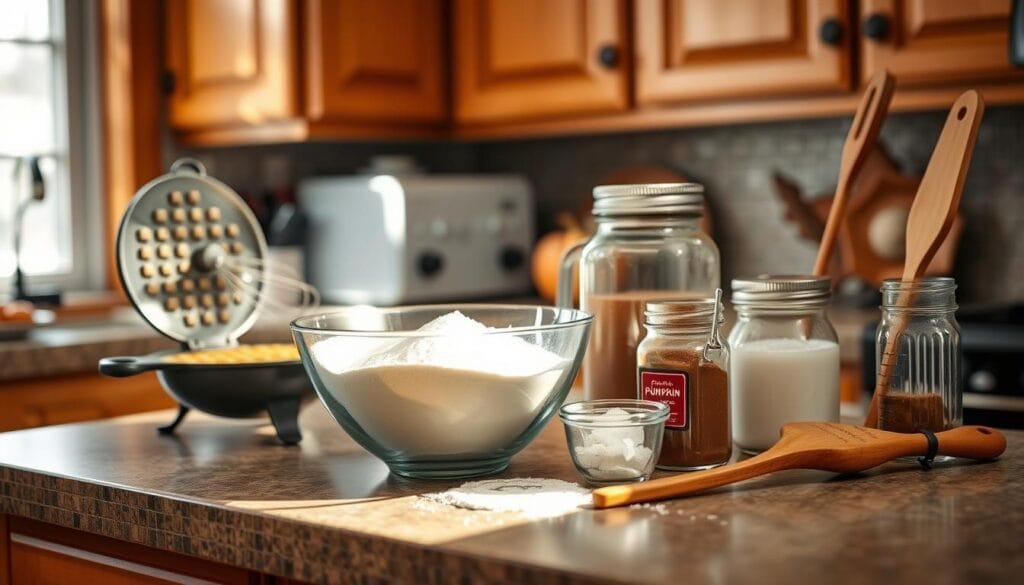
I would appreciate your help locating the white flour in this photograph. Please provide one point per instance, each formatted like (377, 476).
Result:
(611, 453)
(534, 497)
(459, 393)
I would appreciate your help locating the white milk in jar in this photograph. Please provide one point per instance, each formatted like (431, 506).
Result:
(776, 381)
(785, 357)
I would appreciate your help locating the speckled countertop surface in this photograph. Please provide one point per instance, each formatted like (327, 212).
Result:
(327, 511)
(77, 348)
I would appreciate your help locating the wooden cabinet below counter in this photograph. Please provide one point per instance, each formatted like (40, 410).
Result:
(62, 399)
(43, 554)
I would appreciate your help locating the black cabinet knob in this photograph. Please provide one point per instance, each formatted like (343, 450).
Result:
(831, 32)
(430, 263)
(608, 56)
(512, 258)
(876, 26)
(168, 82)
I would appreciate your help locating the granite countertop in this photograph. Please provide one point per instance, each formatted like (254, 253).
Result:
(77, 348)
(327, 511)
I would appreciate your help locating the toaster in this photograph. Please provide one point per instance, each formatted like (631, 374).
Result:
(388, 239)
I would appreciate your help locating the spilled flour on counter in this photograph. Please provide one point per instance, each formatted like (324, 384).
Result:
(531, 496)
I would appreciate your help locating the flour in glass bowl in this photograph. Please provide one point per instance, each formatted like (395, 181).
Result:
(457, 393)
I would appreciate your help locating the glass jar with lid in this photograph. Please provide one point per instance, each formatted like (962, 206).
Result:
(648, 245)
(785, 357)
(683, 364)
(925, 383)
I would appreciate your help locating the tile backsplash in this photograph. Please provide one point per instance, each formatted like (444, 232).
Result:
(735, 163)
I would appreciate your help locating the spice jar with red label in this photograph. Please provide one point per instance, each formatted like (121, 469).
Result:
(684, 364)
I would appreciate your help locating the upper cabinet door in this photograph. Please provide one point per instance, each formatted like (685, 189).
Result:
(522, 59)
(937, 41)
(690, 50)
(233, 62)
(374, 60)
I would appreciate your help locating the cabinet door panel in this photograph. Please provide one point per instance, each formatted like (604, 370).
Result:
(940, 41)
(64, 399)
(375, 60)
(690, 50)
(44, 554)
(233, 61)
(535, 58)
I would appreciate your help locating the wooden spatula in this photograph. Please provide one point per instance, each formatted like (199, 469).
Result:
(861, 138)
(825, 446)
(931, 216)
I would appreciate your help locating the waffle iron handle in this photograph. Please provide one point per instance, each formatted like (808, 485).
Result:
(124, 366)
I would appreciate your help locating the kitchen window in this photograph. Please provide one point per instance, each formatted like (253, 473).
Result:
(48, 109)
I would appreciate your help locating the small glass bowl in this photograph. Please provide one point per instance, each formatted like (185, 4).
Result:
(614, 441)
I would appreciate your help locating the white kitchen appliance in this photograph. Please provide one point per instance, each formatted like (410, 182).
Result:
(388, 239)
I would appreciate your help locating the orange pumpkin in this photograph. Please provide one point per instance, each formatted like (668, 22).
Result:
(547, 257)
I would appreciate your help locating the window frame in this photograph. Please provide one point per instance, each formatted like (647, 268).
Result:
(74, 41)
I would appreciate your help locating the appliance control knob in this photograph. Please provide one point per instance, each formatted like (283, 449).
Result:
(492, 225)
(512, 257)
(982, 381)
(430, 264)
(439, 228)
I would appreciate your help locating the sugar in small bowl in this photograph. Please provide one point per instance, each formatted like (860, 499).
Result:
(614, 441)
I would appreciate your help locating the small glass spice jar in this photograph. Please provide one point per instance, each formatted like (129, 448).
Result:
(683, 364)
(785, 357)
(925, 387)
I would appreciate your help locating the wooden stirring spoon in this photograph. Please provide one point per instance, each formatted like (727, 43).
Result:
(931, 216)
(861, 138)
(824, 446)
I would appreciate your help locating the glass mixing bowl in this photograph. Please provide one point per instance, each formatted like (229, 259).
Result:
(454, 399)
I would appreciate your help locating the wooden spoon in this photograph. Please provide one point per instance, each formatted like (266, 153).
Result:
(861, 138)
(826, 446)
(930, 218)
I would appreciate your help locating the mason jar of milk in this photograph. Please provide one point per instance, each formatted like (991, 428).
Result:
(785, 357)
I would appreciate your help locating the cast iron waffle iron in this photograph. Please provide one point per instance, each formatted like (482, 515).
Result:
(190, 255)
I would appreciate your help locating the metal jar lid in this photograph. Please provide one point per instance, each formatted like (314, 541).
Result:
(649, 199)
(781, 291)
(695, 313)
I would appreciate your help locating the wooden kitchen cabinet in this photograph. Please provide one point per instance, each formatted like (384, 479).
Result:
(294, 70)
(364, 69)
(690, 50)
(931, 42)
(374, 60)
(234, 62)
(63, 399)
(42, 554)
(531, 59)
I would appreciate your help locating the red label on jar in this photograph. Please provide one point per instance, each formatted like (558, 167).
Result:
(671, 388)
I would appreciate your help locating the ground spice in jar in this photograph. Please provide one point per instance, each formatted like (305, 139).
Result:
(675, 368)
(902, 412)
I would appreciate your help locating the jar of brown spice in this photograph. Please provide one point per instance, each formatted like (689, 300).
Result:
(925, 390)
(683, 363)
